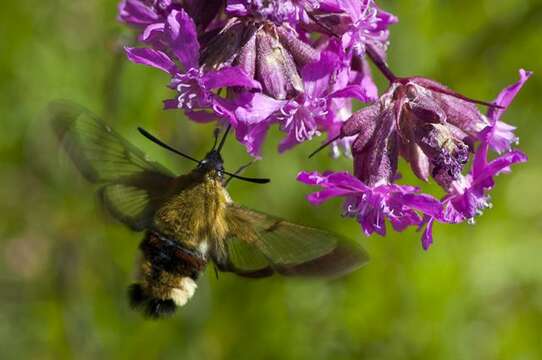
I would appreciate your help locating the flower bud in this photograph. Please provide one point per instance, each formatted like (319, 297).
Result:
(419, 162)
(378, 161)
(275, 67)
(247, 57)
(302, 53)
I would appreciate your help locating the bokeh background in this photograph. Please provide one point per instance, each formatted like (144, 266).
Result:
(64, 267)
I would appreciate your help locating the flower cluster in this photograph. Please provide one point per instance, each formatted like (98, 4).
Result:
(255, 63)
(298, 65)
(435, 131)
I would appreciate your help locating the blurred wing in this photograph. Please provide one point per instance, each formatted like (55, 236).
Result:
(260, 244)
(99, 152)
(132, 186)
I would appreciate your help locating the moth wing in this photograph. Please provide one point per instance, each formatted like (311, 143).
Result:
(132, 187)
(260, 244)
(99, 152)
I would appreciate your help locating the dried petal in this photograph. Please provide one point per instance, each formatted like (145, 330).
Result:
(302, 52)
(379, 162)
(247, 57)
(362, 122)
(419, 162)
(275, 67)
(462, 114)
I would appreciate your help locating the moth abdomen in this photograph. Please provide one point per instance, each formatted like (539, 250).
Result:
(152, 307)
(171, 256)
(168, 275)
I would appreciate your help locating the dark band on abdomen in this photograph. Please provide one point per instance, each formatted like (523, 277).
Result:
(169, 255)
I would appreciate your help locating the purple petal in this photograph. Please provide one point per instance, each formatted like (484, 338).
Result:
(301, 126)
(151, 57)
(229, 77)
(353, 91)
(252, 136)
(467, 203)
(505, 98)
(310, 178)
(422, 202)
(499, 164)
(201, 116)
(320, 197)
(362, 76)
(499, 135)
(152, 33)
(427, 237)
(171, 104)
(184, 38)
(480, 159)
(236, 7)
(316, 76)
(502, 137)
(137, 13)
(257, 107)
(335, 179)
(406, 219)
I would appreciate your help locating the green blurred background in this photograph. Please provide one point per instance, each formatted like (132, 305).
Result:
(64, 267)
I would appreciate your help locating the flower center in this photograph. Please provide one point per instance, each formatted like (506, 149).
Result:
(191, 90)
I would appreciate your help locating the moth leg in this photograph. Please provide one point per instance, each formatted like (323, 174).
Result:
(239, 171)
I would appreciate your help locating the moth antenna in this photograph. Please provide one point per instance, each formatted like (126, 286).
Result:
(326, 144)
(216, 132)
(247, 179)
(223, 138)
(164, 145)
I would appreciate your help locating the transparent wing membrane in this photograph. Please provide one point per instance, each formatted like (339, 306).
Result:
(132, 186)
(261, 243)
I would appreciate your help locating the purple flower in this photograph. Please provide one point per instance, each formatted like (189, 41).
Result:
(196, 88)
(305, 115)
(422, 115)
(151, 15)
(357, 22)
(142, 13)
(401, 205)
(298, 64)
(468, 196)
(315, 109)
(430, 126)
(290, 11)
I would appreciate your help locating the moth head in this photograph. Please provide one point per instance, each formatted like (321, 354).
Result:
(212, 165)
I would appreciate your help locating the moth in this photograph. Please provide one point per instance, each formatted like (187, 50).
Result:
(190, 220)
